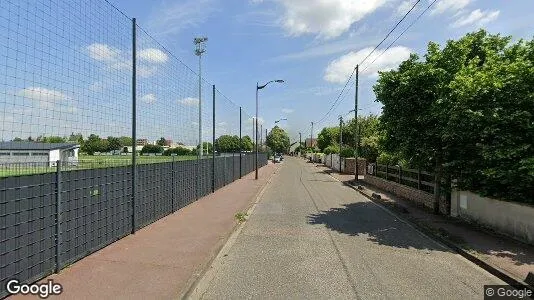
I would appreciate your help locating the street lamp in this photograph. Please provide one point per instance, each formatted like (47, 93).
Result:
(283, 119)
(259, 87)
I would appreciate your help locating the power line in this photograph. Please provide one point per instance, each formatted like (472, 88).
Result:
(391, 31)
(402, 33)
(368, 55)
(338, 97)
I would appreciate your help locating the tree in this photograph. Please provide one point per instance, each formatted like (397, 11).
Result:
(462, 112)
(92, 145)
(246, 143)
(328, 136)
(161, 142)
(227, 143)
(52, 139)
(17, 139)
(278, 140)
(126, 141)
(77, 138)
(152, 149)
(114, 143)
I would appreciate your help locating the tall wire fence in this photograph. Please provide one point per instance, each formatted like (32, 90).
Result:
(91, 151)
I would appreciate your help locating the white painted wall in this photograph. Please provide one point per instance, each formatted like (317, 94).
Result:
(511, 218)
(54, 156)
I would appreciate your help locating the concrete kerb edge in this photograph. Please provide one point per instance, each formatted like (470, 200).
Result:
(495, 271)
(191, 290)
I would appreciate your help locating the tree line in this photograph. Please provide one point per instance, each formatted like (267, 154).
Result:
(464, 111)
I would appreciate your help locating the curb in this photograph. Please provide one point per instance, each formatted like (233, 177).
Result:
(516, 283)
(225, 242)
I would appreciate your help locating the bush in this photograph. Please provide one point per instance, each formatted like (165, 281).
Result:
(177, 151)
(332, 149)
(152, 149)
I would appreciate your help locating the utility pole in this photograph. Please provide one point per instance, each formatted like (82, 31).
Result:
(300, 143)
(311, 140)
(340, 140)
(356, 133)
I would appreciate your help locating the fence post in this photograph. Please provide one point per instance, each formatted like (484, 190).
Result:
(400, 174)
(213, 143)
(240, 146)
(58, 216)
(173, 177)
(134, 117)
(419, 178)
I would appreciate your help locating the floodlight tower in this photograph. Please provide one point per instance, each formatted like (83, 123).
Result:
(200, 49)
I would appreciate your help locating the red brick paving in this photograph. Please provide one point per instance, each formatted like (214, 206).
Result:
(163, 259)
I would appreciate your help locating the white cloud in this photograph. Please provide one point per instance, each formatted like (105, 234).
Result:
(103, 52)
(149, 98)
(171, 17)
(116, 60)
(153, 55)
(42, 94)
(327, 49)
(327, 19)
(189, 101)
(46, 98)
(449, 5)
(340, 69)
(287, 110)
(404, 7)
(477, 17)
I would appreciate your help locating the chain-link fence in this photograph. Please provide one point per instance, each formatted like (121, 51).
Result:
(99, 130)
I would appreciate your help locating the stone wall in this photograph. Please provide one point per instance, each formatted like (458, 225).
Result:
(422, 198)
(348, 166)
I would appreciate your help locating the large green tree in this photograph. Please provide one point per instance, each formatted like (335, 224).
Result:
(246, 143)
(465, 111)
(329, 136)
(278, 140)
(227, 143)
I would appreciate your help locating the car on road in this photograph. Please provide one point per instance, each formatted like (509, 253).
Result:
(277, 158)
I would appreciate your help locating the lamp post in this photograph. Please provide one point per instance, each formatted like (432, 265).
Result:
(200, 49)
(282, 119)
(259, 87)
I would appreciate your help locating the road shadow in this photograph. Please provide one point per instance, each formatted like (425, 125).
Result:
(368, 220)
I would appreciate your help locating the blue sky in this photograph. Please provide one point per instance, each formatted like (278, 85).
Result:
(300, 41)
(65, 67)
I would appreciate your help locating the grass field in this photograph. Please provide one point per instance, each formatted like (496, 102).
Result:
(85, 162)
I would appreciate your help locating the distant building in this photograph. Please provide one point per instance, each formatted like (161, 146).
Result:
(310, 143)
(141, 142)
(32, 152)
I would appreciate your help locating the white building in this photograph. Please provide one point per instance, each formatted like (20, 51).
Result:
(32, 152)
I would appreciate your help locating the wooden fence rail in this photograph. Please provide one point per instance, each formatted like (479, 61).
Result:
(418, 179)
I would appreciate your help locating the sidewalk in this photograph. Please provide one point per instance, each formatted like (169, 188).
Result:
(162, 260)
(509, 256)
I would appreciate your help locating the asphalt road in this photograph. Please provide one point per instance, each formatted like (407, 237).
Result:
(311, 237)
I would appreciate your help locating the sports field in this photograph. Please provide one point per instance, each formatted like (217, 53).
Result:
(85, 162)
